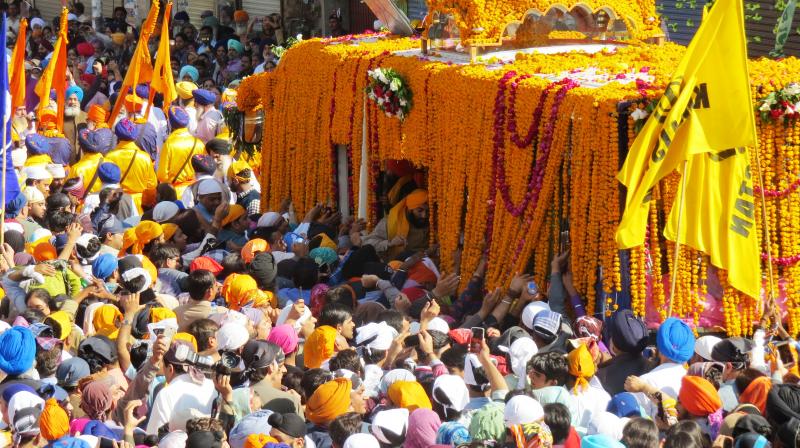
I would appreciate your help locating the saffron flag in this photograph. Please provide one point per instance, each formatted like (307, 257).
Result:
(17, 68)
(10, 184)
(162, 80)
(705, 113)
(54, 75)
(140, 69)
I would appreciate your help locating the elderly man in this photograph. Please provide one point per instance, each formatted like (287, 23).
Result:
(97, 121)
(138, 175)
(210, 119)
(174, 165)
(405, 228)
(74, 118)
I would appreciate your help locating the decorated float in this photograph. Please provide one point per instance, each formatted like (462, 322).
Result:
(521, 113)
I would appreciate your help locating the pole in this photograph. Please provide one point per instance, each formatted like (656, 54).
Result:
(677, 241)
(5, 165)
(767, 233)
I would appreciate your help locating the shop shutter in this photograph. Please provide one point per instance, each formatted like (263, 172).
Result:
(261, 8)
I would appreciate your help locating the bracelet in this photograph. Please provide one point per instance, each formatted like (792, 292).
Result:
(507, 301)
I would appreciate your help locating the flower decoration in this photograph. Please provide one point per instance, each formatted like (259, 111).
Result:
(781, 104)
(390, 92)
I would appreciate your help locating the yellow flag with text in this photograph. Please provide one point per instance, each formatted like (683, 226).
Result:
(706, 108)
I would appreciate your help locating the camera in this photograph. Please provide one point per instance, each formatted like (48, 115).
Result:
(228, 361)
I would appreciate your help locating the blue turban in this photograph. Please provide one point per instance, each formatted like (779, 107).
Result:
(37, 144)
(17, 350)
(109, 173)
(14, 388)
(204, 164)
(99, 429)
(189, 70)
(234, 44)
(104, 266)
(204, 97)
(143, 91)
(178, 118)
(77, 91)
(69, 442)
(323, 256)
(675, 340)
(290, 239)
(600, 441)
(87, 142)
(126, 130)
(15, 206)
(104, 139)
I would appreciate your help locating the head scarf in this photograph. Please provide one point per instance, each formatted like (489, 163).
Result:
(705, 345)
(146, 231)
(329, 401)
(454, 389)
(452, 433)
(234, 289)
(521, 409)
(698, 396)
(258, 440)
(520, 353)
(390, 426)
(17, 350)
(756, 393)
(409, 395)
(105, 321)
(319, 347)
(532, 435)
(422, 427)
(588, 327)
(675, 340)
(361, 440)
(285, 337)
(628, 333)
(235, 212)
(488, 423)
(581, 366)
(397, 222)
(96, 400)
(54, 421)
(252, 248)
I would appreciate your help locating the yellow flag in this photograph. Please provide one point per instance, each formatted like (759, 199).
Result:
(705, 114)
(162, 71)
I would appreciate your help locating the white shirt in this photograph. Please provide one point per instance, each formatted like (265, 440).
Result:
(588, 403)
(181, 393)
(667, 378)
(192, 112)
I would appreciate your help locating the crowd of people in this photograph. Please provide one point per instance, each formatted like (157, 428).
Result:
(147, 300)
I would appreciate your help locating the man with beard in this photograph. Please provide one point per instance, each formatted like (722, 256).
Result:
(186, 101)
(405, 228)
(33, 211)
(96, 122)
(74, 118)
(210, 120)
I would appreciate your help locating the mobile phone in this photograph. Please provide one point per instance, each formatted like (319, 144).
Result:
(478, 334)
(412, 341)
(564, 241)
(785, 352)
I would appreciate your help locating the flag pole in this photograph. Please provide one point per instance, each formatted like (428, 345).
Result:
(767, 233)
(5, 165)
(677, 241)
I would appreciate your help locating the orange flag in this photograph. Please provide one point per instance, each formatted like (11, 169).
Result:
(54, 76)
(17, 68)
(162, 80)
(140, 69)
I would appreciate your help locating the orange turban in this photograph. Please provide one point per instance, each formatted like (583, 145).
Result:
(128, 240)
(409, 395)
(258, 440)
(397, 222)
(319, 347)
(252, 247)
(133, 103)
(235, 290)
(145, 232)
(97, 114)
(169, 230)
(235, 212)
(698, 396)
(105, 321)
(581, 366)
(756, 393)
(44, 251)
(329, 401)
(422, 274)
(54, 421)
(47, 119)
(240, 16)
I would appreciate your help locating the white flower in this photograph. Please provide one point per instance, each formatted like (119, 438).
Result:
(765, 106)
(789, 110)
(395, 85)
(792, 89)
(403, 102)
(797, 106)
(381, 76)
(299, 37)
(639, 114)
(381, 101)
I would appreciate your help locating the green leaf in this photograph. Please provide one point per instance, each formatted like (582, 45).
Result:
(689, 23)
(693, 4)
(673, 27)
(757, 39)
(678, 5)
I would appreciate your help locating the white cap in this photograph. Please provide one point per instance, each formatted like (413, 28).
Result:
(376, 336)
(209, 186)
(471, 363)
(268, 219)
(522, 409)
(520, 352)
(37, 172)
(394, 376)
(439, 324)
(232, 336)
(19, 156)
(454, 389)
(390, 426)
(606, 423)
(362, 441)
(56, 170)
(705, 345)
(530, 312)
(164, 211)
(33, 195)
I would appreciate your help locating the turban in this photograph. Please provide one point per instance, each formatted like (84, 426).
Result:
(329, 401)
(397, 222)
(488, 423)
(44, 251)
(319, 347)
(390, 426)
(185, 88)
(235, 45)
(142, 91)
(37, 144)
(71, 371)
(207, 263)
(204, 163)
(96, 400)
(600, 441)
(105, 321)
(56, 170)
(133, 103)
(253, 247)
(118, 38)
(128, 239)
(258, 440)
(240, 15)
(88, 78)
(157, 314)
(75, 90)
(324, 256)
(375, 335)
(178, 118)
(63, 322)
(588, 327)
(756, 393)
(235, 212)
(209, 186)
(70, 442)
(423, 425)
(146, 232)
(257, 298)
(234, 289)
(232, 336)
(37, 22)
(263, 268)
(698, 396)
(164, 211)
(268, 219)
(581, 367)
(422, 274)
(14, 207)
(85, 49)
(54, 421)
(126, 130)
(48, 119)
(624, 404)
(409, 395)
(219, 146)
(285, 337)
(86, 140)
(204, 97)
(169, 230)
(240, 170)
(109, 173)
(17, 350)
(675, 340)
(192, 72)
(783, 403)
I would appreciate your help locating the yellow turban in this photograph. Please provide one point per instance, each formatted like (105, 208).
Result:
(258, 440)
(185, 89)
(169, 230)
(329, 401)
(258, 298)
(64, 323)
(581, 366)
(105, 321)
(158, 314)
(409, 395)
(319, 347)
(235, 290)
(397, 222)
(235, 212)
(394, 192)
(188, 337)
(145, 232)
(151, 269)
(54, 421)
(326, 241)
(128, 240)
(239, 167)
